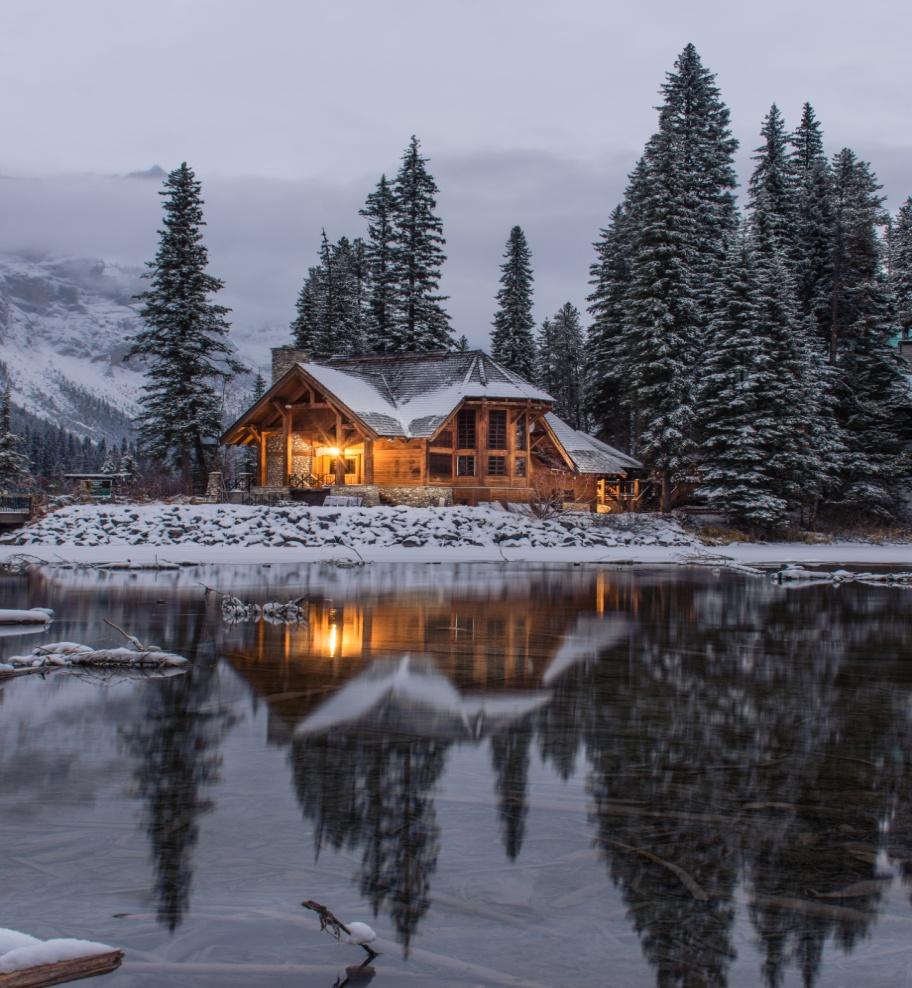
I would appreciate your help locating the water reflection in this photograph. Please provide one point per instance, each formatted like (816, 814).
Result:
(744, 746)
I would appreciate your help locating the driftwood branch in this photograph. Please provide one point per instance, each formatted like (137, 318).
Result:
(132, 639)
(328, 920)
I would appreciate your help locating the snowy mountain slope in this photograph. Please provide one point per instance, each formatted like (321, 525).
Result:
(64, 325)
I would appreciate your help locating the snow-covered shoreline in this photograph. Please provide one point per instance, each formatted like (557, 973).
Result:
(145, 535)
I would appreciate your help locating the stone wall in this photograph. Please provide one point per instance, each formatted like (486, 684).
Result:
(369, 492)
(415, 497)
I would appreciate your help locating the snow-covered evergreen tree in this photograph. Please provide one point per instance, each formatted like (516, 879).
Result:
(900, 258)
(607, 396)
(652, 294)
(562, 364)
(737, 424)
(14, 462)
(773, 200)
(664, 314)
(872, 382)
(512, 341)
(812, 241)
(333, 308)
(379, 210)
(184, 338)
(697, 123)
(420, 321)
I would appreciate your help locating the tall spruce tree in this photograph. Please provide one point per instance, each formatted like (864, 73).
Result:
(184, 338)
(512, 341)
(14, 461)
(420, 322)
(607, 398)
(379, 210)
(664, 315)
(773, 199)
(812, 240)
(872, 384)
(333, 309)
(900, 258)
(651, 308)
(562, 364)
(736, 421)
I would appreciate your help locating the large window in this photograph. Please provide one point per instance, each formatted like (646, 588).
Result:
(465, 429)
(521, 431)
(497, 466)
(444, 439)
(440, 466)
(497, 429)
(465, 466)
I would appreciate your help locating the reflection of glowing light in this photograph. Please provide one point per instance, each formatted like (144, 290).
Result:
(333, 639)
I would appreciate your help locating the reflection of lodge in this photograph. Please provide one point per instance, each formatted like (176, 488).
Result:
(500, 646)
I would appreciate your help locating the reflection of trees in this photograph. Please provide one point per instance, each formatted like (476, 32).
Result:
(375, 791)
(510, 757)
(736, 745)
(736, 740)
(176, 750)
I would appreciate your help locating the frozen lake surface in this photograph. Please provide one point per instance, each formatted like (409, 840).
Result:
(517, 774)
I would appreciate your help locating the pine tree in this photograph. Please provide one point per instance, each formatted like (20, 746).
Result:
(184, 337)
(462, 344)
(697, 123)
(652, 302)
(773, 200)
(14, 461)
(561, 364)
(900, 264)
(607, 397)
(379, 210)
(872, 387)
(736, 474)
(420, 322)
(664, 314)
(812, 241)
(512, 341)
(333, 314)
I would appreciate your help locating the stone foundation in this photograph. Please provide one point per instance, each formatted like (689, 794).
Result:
(417, 497)
(369, 493)
(414, 497)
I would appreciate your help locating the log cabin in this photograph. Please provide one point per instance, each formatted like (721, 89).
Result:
(423, 429)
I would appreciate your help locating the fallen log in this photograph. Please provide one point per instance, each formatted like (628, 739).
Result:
(61, 972)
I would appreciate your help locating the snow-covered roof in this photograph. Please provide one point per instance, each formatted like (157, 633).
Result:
(590, 455)
(412, 395)
(412, 691)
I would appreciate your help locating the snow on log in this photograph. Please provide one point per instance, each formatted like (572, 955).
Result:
(72, 654)
(34, 615)
(27, 962)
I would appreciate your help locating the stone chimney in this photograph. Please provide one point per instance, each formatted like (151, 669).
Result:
(283, 357)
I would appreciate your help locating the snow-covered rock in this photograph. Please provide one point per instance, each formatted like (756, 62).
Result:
(336, 528)
(34, 615)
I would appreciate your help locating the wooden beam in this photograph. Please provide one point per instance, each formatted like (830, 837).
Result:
(286, 445)
(368, 460)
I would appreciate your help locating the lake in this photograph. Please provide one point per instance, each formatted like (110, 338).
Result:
(517, 774)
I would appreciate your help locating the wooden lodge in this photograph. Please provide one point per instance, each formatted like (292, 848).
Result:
(423, 429)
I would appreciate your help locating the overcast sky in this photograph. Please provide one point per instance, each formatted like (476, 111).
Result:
(289, 110)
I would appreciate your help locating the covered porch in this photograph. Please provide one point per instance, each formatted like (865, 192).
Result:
(305, 439)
